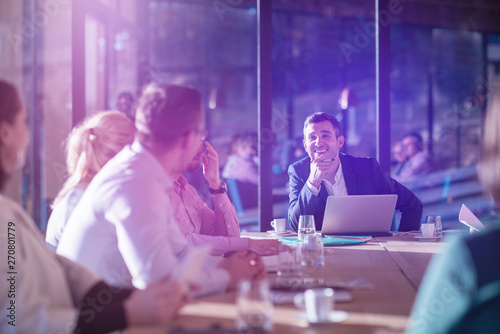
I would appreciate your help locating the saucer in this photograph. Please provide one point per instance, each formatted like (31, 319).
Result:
(273, 232)
(422, 238)
(334, 317)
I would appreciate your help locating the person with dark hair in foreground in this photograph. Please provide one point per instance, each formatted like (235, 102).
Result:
(43, 292)
(327, 172)
(460, 291)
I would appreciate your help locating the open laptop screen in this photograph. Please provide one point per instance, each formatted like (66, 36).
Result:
(359, 215)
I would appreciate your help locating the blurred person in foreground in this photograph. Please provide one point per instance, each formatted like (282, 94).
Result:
(43, 292)
(202, 225)
(327, 172)
(123, 227)
(90, 146)
(460, 291)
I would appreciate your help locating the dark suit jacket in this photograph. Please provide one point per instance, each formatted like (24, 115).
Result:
(363, 176)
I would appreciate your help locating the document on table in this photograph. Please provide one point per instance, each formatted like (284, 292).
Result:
(468, 218)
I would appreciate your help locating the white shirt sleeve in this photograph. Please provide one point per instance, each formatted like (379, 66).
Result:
(314, 190)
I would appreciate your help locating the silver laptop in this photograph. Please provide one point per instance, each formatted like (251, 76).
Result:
(367, 215)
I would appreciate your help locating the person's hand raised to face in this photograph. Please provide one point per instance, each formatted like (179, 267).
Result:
(323, 146)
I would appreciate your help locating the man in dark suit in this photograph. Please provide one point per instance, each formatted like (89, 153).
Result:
(326, 172)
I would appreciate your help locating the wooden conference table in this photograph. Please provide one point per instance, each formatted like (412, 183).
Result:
(393, 267)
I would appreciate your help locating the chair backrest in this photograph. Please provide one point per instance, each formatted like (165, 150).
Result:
(234, 195)
(243, 194)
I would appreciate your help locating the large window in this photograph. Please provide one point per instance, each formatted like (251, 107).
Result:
(442, 60)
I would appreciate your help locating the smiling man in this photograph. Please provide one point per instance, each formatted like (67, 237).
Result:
(327, 172)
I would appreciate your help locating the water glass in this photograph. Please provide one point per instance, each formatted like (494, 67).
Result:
(289, 262)
(306, 226)
(438, 225)
(312, 250)
(255, 309)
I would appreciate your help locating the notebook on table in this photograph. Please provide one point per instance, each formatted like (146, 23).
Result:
(366, 215)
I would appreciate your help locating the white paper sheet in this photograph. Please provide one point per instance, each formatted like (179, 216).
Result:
(467, 218)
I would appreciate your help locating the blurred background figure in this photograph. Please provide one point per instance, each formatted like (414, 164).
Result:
(242, 164)
(398, 158)
(418, 162)
(242, 171)
(89, 147)
(125, 103)
(293, 151)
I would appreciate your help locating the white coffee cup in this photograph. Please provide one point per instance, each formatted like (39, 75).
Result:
(427, 230)
(319, 303)
(279, 225)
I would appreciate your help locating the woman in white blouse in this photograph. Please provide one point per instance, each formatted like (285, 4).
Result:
(43, 292)
(89, 147)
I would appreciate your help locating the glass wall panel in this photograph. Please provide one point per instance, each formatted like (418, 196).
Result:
(443, 59)
(95, 61)
(36, 57)
(53, 110)
(323, 60)
(212, 46)
(440, 76)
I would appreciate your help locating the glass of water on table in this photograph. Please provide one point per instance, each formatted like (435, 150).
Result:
(255, 308)
(306, 226)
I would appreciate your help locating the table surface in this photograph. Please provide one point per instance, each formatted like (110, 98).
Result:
(393, 266)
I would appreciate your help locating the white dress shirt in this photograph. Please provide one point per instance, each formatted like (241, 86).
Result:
(338, 188)
(122, 228)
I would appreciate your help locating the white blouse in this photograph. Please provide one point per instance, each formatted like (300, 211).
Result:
(45, 286)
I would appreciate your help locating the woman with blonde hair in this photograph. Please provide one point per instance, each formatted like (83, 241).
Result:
(89, 146)
(52, 293)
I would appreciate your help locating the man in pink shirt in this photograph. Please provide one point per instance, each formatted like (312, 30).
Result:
(202, 225)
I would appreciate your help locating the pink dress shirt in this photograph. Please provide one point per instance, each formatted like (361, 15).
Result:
(200, 225)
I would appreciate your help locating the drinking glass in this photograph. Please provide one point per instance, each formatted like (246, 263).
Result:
(306, 226)
(289, 263)
(312, 250)
(255, 309)
(438, 225)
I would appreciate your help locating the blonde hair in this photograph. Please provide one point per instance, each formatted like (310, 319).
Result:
(489, 172)
(91, 144)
